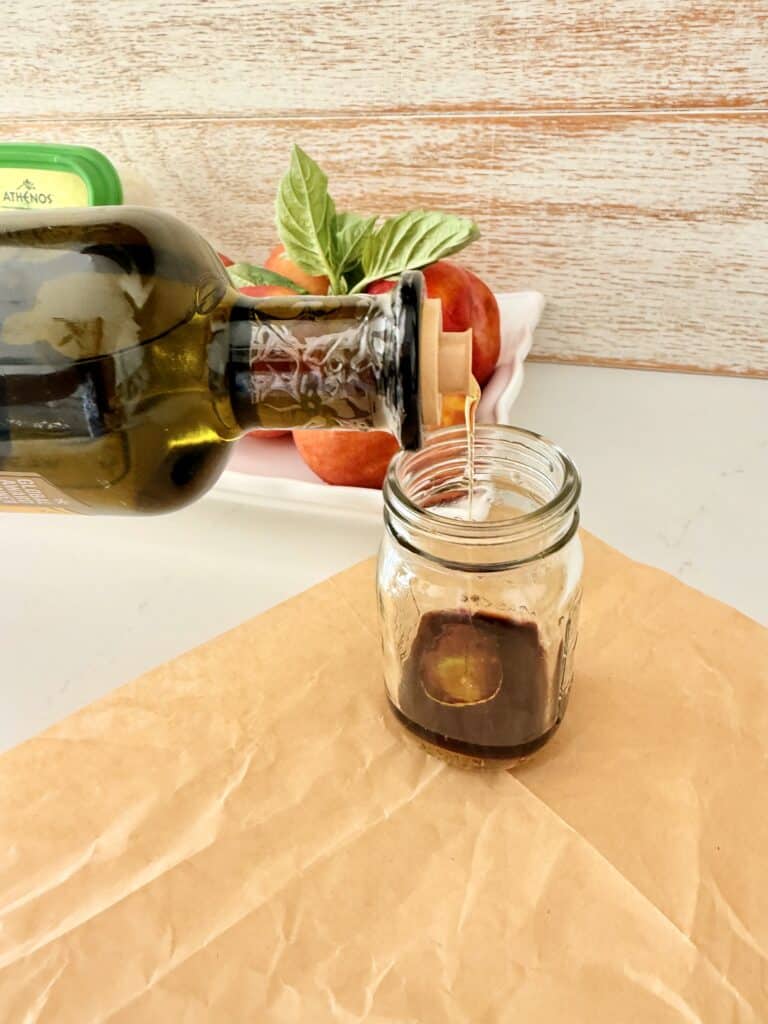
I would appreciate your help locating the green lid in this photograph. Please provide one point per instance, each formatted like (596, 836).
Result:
(39, 175)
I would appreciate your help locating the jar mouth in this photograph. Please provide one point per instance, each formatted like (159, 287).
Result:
(536, 485)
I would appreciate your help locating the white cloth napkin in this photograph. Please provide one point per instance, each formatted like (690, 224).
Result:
(520, 314)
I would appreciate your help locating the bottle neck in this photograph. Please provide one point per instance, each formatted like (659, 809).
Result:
(328, 362)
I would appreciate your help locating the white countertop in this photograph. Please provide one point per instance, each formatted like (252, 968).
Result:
(675, 471)
(674, 468)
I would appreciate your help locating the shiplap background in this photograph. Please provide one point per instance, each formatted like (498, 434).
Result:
(614, 154)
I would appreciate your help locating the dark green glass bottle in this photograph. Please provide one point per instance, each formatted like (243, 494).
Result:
(129, 364)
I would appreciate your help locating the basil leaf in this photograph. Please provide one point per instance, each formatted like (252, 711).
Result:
(352, 276)
(412, 240)
(244, 274)
(350, 232)
(305, 217)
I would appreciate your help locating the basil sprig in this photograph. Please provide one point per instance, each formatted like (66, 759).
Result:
(349, 249)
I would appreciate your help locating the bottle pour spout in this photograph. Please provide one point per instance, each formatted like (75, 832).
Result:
(445, 362)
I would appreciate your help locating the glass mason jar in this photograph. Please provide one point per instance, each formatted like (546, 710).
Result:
(479, 616)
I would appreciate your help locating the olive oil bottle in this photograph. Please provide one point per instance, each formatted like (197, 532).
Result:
(129, 364)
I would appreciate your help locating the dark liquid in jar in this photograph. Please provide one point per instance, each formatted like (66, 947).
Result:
(477, 686)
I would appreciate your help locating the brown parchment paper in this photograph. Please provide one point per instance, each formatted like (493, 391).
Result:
(242, 835)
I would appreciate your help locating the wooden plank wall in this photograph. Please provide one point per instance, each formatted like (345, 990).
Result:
(614, 154)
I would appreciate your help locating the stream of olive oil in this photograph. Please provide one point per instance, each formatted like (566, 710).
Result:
(470, 412)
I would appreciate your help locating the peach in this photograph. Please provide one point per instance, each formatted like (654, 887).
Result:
(279, 263)
(348, 457)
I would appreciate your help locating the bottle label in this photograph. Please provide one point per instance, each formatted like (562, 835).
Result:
(30, 492)
(36, 190)
(316, 373)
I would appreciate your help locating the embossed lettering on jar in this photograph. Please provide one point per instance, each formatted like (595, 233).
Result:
(479, 618)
